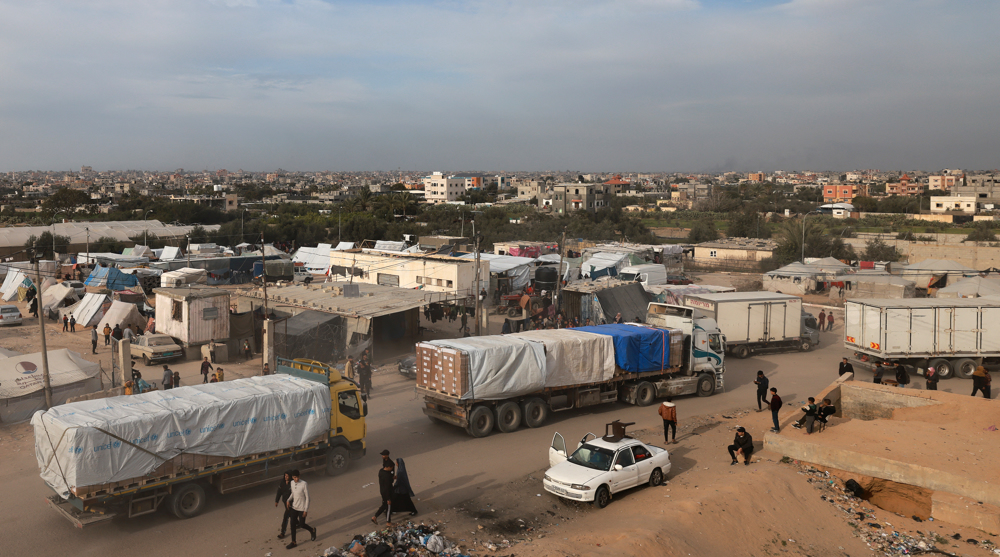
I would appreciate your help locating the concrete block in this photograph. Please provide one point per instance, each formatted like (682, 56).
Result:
(965, 512)
(873, 402)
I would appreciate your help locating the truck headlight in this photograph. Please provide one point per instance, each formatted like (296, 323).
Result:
(580, 487)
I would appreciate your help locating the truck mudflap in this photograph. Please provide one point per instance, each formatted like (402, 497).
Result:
(80, 519)
(445, 417)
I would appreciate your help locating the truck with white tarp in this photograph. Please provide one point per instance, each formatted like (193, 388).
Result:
(133, 454)
(952, 335)
(506, 380)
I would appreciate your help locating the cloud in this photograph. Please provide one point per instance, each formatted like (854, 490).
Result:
(593, 84)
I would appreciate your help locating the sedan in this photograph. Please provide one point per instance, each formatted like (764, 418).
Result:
(408, 366)
(78, 287)
(601, 467)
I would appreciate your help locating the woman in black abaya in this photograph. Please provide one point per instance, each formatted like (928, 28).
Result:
(402, 492)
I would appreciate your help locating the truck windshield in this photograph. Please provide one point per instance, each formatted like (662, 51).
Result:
(715, 343)
(347, 401)
(628, 277)
(593, 457)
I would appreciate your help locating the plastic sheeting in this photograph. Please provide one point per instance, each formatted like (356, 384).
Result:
(500, 366)
(113, 439)
(15, 279)
(124, 314)
(170, 252)
(316, 260)
(341, 246)
(88, 311)
(518, 268)
(573, 357)
(386, 245)
(21, 383)
(58, 295)
(637, 349)
(603, 260)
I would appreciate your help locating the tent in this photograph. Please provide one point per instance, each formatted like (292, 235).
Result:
(936, 273)
(48, 268)
(142, 251)
(170, 252)
(87, 311)
(595, 265)
(111, 278)
(311, 334)
(14, 279)
(57, 296)
(316, 260)
(123, 313)
(799, 278)
(21, 384)
(518, 268)
(344, 246)
(874, 286)
(972, 287)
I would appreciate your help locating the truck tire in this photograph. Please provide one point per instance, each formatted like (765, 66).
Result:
(338, 460)
(145, 360)
(602, 497)
(645, 393)
(481, 421)
(741, 351)
(943, 367)
(964, 367)
(706, 385)
(805, 345)
(187, 500)
(534, 412)
(508, 416)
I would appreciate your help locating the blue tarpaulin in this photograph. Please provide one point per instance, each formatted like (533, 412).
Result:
(111, 278)
(637, 349)
(98, 277)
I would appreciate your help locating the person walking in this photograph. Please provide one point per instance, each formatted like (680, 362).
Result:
(284, 492)
(33, 307)
(93, 339)
(177, 379)
(402, 493)
(902, 376)
(742, 445)
(829, 321)
(762, 384)
(845, 367)
(385, 480)
(247, 352)
(775, 405)
(168, 378)
(365, 375)
(668, 411)
(879, 371)
(931, 377)
(65, 324)
(206, 366)
(465, 321)
(72, 323)
(298, 502)
(821, 320)
(349, 368)
(107, 334)
(981, 382)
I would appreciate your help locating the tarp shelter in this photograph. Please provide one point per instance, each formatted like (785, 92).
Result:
(798, 278)
(171, 252)
(517, 268)
(142, 251)
(674, 293)
(971, 287)
(637, 349)
(124, 314)
(89, 310)
(15, 278)
(107, 259)
(57, 296)
(316, 260)
(342, 246)
(22, 387)
(573, 357)
(936, 273)
(598, 264)
(309, 335)
(872, 286)
(500, 367)
(631, 300)
(183, 276)
(111, 278)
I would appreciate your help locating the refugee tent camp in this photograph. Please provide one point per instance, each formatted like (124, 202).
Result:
(21, 384)
(124, 314)
(57, 296)
(89, 310)
(111, 278)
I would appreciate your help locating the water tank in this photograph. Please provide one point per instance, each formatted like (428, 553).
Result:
(546, 278)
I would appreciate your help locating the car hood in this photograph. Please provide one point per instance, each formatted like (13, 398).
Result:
(573, 473)
(409, 361)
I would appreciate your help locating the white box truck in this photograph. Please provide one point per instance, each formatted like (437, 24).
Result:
(949, 334)
(757, 321)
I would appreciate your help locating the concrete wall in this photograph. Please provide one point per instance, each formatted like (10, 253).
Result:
(874, 402)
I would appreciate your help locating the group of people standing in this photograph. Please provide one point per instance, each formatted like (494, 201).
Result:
(360, 372)
(825, 321)
(981, 379)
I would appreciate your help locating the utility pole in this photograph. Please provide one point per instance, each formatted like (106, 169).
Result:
(339, 227)
(263, 273)
(41, 326)
(475, 288)
(88, 245)
(265, 355)
(559, 278)
(188, 250)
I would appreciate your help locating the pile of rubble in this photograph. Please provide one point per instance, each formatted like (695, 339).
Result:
(400, 540)
(881, 535)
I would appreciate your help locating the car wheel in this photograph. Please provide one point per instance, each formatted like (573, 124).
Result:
(508, 416)
(742, 351)
(480, 421)
(145, 361)
(187, 501)
(656, 478)
(534, 412)
(706, 385)
(645, 392)
(337, 461)
(602, 497)
(806, 346)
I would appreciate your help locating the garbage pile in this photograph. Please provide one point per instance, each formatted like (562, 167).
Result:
(401, 540)
(881, 535)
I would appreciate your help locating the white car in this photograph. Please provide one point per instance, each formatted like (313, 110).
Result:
(603, 466)
(10, 315)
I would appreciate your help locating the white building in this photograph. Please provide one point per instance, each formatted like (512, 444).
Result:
(964, 204)
(439, 188)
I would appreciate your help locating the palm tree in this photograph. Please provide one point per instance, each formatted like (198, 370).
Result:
(363, 201)
(402, 200)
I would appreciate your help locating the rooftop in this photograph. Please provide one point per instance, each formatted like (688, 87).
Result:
(375, 300)
(741, 243)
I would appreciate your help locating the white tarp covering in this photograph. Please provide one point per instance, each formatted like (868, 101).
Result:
(124, 314)
(574, 357)
(21, 383)
(108, 259)
(182, 276)
(316, 260)
(344, 246)
(142, 251)
(15, 278)
(518, 268)
(500, 366)
(170, 252)
(48, 268)
(57, 296)
(113, 439)
(603, 260)
(87, 311)
(972, 287)
(386, 245)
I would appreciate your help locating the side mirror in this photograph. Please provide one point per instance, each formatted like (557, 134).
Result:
(618, 467)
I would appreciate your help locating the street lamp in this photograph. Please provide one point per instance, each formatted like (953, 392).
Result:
(145, 238)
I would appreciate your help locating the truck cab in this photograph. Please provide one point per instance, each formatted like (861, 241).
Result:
(646, 275)
(705, 345)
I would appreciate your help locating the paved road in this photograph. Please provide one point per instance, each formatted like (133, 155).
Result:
(446, 467)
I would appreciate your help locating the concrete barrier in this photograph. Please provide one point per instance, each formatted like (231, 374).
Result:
(873, 402)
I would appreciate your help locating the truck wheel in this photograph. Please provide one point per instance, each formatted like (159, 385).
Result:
(706, 385)
(742, 351)
(480, 421)
(534, 412)
(508, 417)
(145, 360)
(645, 392)
(338, 459)
(602, 497)
(656, 478)
(805, 346)
(187, 501)
(964, 367)
(943, 367)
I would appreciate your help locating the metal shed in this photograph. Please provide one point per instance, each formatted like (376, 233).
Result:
(193, 314)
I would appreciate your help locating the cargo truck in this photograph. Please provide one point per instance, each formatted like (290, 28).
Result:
(131, 455)
(757, 321)
(953, 335)
(504, 381)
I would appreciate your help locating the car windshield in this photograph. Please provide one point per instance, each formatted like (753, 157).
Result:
(593, 457)
(628, 277)
(161, 341)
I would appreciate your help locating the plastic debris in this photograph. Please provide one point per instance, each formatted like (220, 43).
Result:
(400, 539)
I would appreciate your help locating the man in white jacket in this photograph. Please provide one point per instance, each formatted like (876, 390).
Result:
(298, 504)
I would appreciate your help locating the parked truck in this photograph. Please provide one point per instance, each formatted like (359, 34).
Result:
(503, 381)
(949, 334)
(757, 321)
(131, 455)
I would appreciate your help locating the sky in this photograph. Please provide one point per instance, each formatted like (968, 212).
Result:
(499, 85)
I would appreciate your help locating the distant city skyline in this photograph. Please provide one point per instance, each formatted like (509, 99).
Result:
(605, 85)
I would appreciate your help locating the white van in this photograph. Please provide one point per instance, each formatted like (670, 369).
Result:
(649, 275)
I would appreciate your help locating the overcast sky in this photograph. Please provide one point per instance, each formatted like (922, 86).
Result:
(589, 85)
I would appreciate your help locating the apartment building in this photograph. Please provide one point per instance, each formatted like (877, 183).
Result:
(568, 197)
(756, 176)
(955, 203)
(904, 187)
(943, 182)
(843, 193)
(439, 188)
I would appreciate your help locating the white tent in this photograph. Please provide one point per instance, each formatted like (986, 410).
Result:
(344, 246)
(185, 275)
(87, 311)
(316, 260)
(603, 260)
(48, 268)
(21, 383)
(142, 251)
(936, 273)
(15, 278)
(170, 253)
(123, 313)
(972, 287)
(57, 296)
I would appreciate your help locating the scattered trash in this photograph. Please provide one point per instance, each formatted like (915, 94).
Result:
(409, 539)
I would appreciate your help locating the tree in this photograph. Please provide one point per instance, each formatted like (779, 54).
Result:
(44, 244)
(703, 231)
(747, 224)
(878, 250)
(817, 242)
(865, 204)
(107, 244)
(65, 199)
(981, 233)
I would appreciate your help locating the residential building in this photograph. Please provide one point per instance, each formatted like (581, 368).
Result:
(694, 191)
(943, 182)
(843, 193)
(619, 186)
(734, 252)
(439, 188)
(756, 177)
(904, 187)
(568, 197)
(955, 203)
(434, 273)
(530, 189)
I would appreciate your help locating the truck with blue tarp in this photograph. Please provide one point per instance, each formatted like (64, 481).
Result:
(504, 381)
(134, 454)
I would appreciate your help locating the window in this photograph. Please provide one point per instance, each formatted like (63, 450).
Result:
(641, 453)
(347, 402)
(449, 284)
(625, 458)
(420, 280)
(177, 311)
(440, 282)
(713, 253)
(210, 313)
